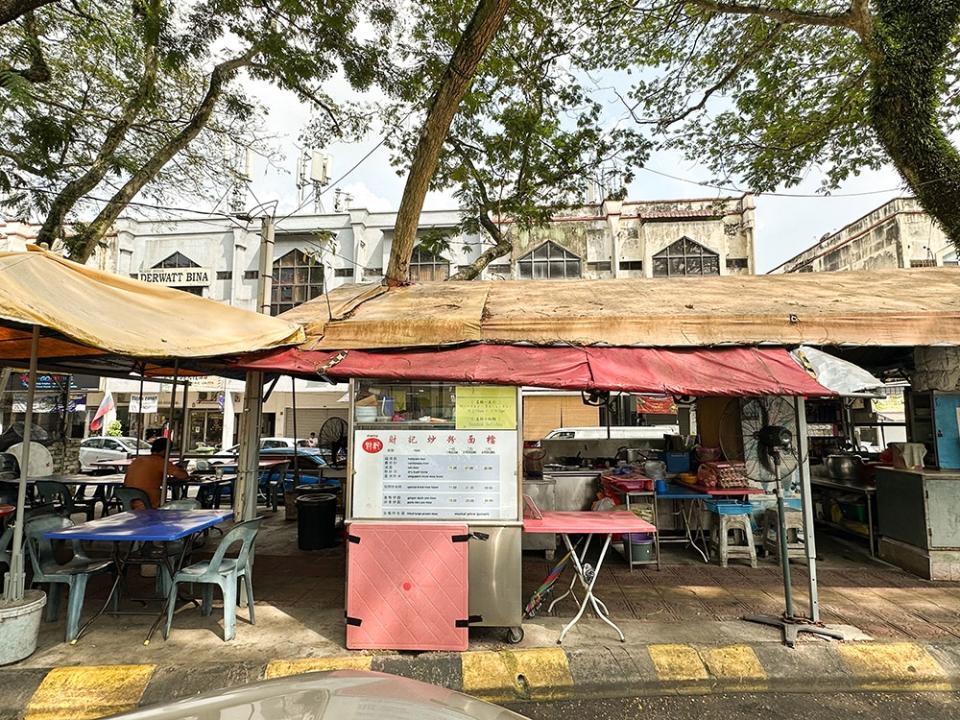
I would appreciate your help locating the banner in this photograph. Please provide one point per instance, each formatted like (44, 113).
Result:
(151, 404)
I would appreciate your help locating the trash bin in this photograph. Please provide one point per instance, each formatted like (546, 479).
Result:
(316, 521)
(290, 496)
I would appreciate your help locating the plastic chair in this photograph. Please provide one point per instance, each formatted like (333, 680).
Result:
(225, 572)
(272, 483)
(74, 573)
(126, 496)
(56, 493)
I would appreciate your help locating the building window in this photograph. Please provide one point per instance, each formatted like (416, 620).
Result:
(685, 257)
(923, 263)
(251, 274)
(425, 266)
(177, 260)
(501, 270)
(297, 278)
(600, 266)
(224, 275)
(343, 272)
(549, 261)
(736, 263)
(633, 265)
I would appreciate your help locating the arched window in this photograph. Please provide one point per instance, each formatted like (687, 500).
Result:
(297, 277)
(685, 257)
(549, 261)
(425, 266)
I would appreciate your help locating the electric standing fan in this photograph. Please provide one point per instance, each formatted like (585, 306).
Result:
(769, 457)
(333, 439)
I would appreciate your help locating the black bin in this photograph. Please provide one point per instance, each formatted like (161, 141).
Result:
(291, 496)
(316, 521)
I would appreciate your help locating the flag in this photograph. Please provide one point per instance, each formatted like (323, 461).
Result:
(106, 405)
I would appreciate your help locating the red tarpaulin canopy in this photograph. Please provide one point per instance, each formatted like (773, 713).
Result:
(705, 372)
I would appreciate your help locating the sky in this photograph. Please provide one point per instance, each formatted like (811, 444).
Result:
(785, 224)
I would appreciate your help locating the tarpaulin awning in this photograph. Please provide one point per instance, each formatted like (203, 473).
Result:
(864, 308)
(702, 372)
(88, 316)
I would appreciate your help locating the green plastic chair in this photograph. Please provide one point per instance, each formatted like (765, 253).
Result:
(224, 572)
(127, 495)
(56, 493)
(74, 573)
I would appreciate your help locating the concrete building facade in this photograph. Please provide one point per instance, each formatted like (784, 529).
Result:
(898, 234)
(219, 258)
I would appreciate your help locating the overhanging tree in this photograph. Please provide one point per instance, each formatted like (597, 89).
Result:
(528, 137)
(142, 100)
(765, 90)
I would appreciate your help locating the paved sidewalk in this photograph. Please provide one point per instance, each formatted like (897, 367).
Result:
(682, 626)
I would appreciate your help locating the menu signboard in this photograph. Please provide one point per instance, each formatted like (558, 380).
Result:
(436, 474)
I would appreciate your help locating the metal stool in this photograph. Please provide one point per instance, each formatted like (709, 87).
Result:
(771, 541)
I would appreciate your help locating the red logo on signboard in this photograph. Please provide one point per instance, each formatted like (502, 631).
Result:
(372, 445)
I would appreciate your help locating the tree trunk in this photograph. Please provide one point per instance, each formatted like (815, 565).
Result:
(481, 29)
(87, 239)
(74, 190)
(10, 10)
(911, 43)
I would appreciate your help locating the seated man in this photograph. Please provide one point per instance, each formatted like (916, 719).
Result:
(146, 472)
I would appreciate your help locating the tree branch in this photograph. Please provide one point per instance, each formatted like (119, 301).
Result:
(784, 15)
(74, 190)
(86, 241)
(10, 10)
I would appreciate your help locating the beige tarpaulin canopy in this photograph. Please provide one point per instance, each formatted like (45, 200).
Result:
(90, 319)
(872, 308)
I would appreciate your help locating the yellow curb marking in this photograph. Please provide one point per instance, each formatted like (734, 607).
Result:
(893, 666)
(284, 668)
(738, 663)
(677, 663)
(537, 674)
(88, 691)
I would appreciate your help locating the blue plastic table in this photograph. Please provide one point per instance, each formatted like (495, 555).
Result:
(152, 525)
(144, 526)
(696, 500)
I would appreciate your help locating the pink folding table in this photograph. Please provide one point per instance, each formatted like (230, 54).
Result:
(587, 523)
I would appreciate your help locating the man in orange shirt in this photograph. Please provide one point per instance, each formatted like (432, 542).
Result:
(146, 472)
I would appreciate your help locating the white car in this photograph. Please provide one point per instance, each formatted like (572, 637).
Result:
(99, 449)
(268, 443)
(617, 432)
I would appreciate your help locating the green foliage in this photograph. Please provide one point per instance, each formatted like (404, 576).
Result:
(528, 138)
(115, 429)
(52, 131)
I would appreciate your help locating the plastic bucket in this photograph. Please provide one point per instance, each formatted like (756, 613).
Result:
(20, 626)
(641, 551)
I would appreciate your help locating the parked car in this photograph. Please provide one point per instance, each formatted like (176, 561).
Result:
(99, 449)
(229, 455)
(335, 695)
(617, 432)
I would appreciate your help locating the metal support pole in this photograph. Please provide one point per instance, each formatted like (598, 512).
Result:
(183, 420)
(265, 277)
(140, 414)
(296, 449)
(173, 407)
(15, 578)
(245, 494)
(806, 501)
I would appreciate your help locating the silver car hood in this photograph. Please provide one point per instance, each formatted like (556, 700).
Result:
(335, 695)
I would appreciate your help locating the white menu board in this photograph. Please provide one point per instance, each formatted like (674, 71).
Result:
(435, 474)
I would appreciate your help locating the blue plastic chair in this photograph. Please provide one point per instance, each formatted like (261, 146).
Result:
(74, 573)
(224, 572)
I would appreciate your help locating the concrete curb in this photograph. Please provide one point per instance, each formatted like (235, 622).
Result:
(512, 675)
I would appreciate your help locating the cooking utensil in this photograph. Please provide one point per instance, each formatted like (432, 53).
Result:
(844, 467)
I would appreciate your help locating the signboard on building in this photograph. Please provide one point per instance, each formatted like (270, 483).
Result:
(178, 277)
(437, 474)
(486, 407)
(151, 404)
